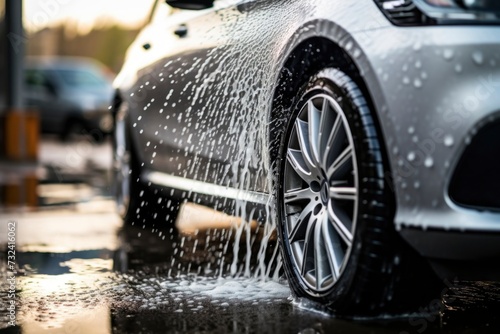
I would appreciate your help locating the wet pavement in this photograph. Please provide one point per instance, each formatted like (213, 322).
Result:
(79, 270)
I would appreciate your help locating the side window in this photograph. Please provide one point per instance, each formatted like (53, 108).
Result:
(39, 81)
(34, 79)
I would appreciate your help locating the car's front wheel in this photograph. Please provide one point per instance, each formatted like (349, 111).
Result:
(336, 208)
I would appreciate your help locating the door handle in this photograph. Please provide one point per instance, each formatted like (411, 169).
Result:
(181, 30)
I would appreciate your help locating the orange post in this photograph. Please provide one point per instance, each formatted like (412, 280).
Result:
(21, 146)
(20, 138)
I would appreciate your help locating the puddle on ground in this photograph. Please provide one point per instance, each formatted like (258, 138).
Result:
(145, 280)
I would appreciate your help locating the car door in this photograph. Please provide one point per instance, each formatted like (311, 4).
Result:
(192, 103)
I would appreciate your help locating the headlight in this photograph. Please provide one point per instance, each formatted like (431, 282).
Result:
(431, 12)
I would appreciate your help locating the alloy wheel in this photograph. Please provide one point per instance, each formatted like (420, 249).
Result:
(320, 195)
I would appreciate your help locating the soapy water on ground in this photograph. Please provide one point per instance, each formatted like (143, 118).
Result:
(91, 288)
(192, 294)
(51, 301)
(151, 270)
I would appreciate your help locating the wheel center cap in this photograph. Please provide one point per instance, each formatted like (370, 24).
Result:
(325, 193)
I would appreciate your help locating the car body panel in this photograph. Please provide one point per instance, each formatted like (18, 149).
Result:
(230, 149)
(213, 95)
(439, 84)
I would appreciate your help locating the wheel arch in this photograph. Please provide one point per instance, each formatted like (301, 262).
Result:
(116, 103)
(305, 56)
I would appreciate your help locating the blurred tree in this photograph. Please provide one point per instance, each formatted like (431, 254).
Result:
(106, 43)
(114, 44)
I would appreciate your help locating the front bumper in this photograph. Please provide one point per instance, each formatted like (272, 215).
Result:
(458, 255)
(435, 87)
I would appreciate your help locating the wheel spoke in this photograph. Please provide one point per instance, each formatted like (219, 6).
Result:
(308, 249)
(314, 117)
(298, 195)
(297, 162)
(341, 228)
(320, 258)
(342, 165)
(327, 123)
(346, 193)
(302, 129)
(299, 229)
(333, 248)
(335, 141)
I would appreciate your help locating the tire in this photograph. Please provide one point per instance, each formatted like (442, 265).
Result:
(336, 209)
(76, 129)
(73, 130)
(137, 203)
(97, 136)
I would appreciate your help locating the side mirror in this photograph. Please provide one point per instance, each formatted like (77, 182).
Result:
(191, 4)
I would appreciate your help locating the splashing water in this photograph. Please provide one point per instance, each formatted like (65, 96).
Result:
(212, 128)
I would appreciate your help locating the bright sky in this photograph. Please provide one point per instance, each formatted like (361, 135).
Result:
(39, 14)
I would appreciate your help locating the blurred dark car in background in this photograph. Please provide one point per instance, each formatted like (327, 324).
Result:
(72, 95)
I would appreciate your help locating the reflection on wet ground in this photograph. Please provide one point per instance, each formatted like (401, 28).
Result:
(81, 271)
